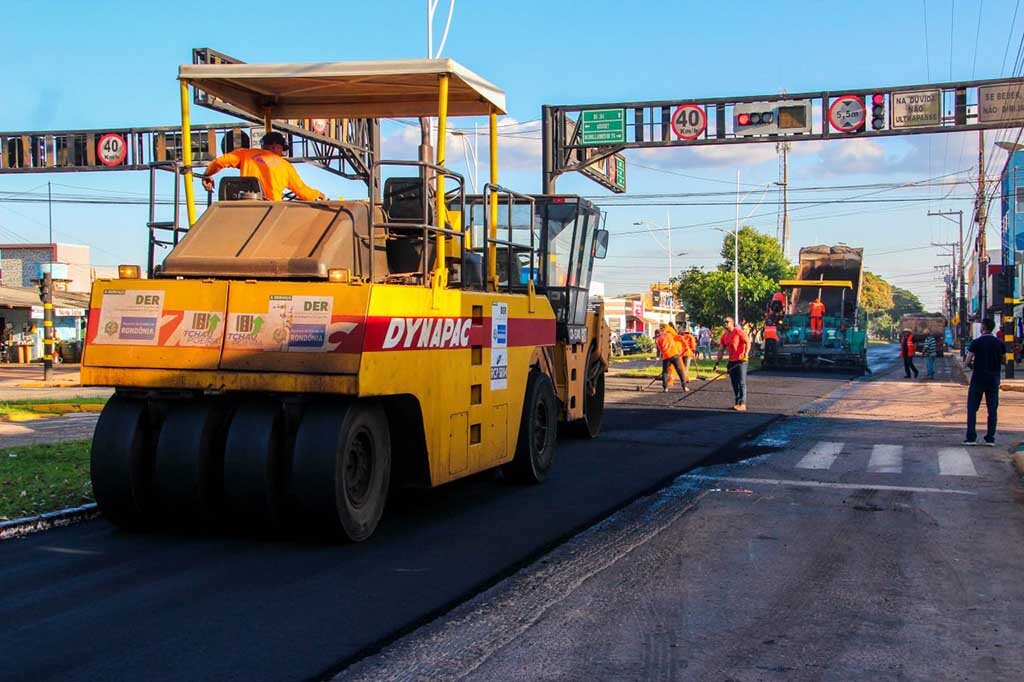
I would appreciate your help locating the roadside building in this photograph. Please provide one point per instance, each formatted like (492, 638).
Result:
(21, 309)
(1012, 235)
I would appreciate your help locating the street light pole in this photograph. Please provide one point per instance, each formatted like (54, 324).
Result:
(736, 257)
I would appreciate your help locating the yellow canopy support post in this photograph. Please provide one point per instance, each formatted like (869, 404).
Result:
(442, 133)
(492, 249)
(186, 154)
(268, 120)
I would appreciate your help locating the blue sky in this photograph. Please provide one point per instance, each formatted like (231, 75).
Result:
(99, 64)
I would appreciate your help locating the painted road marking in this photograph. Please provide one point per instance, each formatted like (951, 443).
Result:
(886, 459)
(827, 484)
(821, 456)
(956, 462)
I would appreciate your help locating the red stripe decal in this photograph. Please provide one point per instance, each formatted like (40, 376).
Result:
(421, 333)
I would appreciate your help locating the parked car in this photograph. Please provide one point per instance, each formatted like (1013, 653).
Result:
(636, 342)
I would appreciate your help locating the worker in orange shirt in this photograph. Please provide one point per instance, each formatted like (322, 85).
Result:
(777, 306)
(689, 349)
(736, 342)
(817, 310)
(771, 336)
(268, 165)
(670, 348)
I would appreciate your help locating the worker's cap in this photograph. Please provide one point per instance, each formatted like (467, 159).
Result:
(274, 138)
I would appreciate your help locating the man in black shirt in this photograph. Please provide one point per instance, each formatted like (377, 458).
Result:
(985, 355)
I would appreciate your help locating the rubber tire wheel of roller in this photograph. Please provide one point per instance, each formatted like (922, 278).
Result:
(121, 463)
(593, 405)
(256, 465)
(188, 473)
(538, 432)
(341, 468)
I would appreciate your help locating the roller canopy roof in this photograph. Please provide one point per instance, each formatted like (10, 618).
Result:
(383, 89)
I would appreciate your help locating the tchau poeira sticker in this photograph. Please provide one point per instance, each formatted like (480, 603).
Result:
(291, 324)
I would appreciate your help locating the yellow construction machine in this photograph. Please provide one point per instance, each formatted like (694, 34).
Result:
(291, 361)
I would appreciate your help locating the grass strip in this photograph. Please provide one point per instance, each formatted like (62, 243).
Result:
(45, 477)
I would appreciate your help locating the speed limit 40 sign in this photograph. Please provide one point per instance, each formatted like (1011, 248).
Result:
(689, 121)
(111, 149)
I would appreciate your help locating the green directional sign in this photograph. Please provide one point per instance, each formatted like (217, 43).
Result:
(620, 172)
(603, 126)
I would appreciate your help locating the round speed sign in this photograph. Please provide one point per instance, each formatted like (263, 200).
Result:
(847, 113)
(689, 121)
(111, 149)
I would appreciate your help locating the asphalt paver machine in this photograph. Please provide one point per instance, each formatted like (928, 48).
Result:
(291, 361)
(831, 275)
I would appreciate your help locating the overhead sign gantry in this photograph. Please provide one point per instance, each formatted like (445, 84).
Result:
(581, 137)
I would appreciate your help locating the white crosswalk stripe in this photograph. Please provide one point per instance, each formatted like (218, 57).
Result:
(886, 459)
(821, 456)
(956, 462)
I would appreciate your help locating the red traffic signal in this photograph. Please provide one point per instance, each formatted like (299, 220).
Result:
(877, 111)
(743, 119)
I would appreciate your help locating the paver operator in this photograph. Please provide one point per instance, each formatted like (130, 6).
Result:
(817, 311)
(771, 336)
(736, 342)
(268, 165)
(670, 347)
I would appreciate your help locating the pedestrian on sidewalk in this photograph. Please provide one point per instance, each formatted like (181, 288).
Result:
(704, 342)
(670, 348)
(907, 350)
(985, 356)
(929, 349)
(736, 342)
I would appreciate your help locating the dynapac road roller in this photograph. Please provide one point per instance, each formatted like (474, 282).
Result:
(290, 361)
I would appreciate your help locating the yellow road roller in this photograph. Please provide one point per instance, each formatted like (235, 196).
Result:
(289, 362)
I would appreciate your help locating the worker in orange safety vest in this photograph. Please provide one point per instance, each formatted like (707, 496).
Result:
(267, 165)
(817, 310)
(670, 348)
(771, 336)
(689, 350)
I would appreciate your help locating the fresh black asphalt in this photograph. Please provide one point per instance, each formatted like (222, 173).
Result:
(91, 602)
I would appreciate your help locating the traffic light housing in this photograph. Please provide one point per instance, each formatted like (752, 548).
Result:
(877, 111)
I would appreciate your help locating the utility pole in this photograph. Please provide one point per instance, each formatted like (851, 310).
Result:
(982, 221)
(960, 275)
(783, 149)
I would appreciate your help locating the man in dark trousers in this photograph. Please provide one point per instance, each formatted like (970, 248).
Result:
(907, 350)
(736, 343)
(985, 356)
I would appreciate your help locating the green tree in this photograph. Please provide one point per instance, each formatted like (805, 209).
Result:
(707, 296)
(904, 303)
(760, 254)
(875, 294)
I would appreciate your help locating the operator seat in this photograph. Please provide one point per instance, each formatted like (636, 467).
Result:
(239, 188)
(403, 202)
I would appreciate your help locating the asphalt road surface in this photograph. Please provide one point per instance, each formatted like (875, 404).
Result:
(90, 602)
(858, 541)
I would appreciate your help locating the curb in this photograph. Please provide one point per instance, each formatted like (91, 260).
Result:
(51, 410)
(51, 384)
(56, 519)
(1017, 457)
